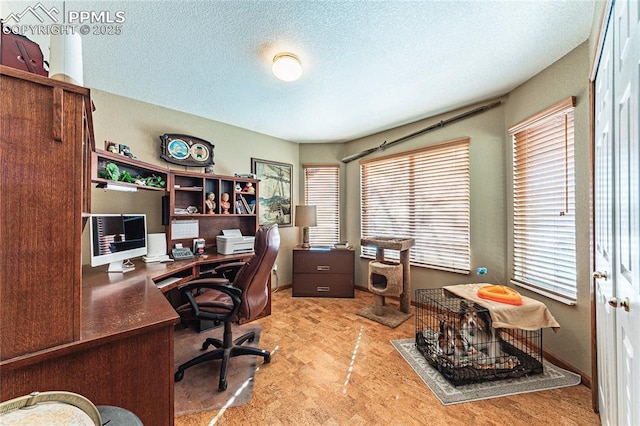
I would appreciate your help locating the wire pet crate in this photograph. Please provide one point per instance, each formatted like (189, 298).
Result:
(448, 336)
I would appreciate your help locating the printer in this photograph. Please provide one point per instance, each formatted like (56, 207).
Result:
(232, 241)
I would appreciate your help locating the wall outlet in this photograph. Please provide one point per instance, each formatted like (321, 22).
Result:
(275, 268)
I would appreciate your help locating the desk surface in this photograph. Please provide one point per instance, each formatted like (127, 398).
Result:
(115, 303)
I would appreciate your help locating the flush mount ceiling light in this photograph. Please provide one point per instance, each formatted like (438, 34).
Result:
(287, 66)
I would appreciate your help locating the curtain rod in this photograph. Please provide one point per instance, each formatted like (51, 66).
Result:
(438, 125)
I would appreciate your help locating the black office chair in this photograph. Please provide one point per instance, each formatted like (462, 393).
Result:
(219, 300)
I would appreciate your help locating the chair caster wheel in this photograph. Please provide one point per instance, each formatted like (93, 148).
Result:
(267, 359)
(178, 376)
(222, 386)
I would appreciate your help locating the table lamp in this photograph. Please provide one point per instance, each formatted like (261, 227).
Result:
(305, 217)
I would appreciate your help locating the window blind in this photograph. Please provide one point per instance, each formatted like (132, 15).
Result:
(421, 194)
(322, 189)
(544, 253)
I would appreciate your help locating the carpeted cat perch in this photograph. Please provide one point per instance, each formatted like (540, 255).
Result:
(387, 278)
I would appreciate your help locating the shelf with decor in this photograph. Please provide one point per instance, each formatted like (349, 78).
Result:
(111, 168)
(245, 197)
(196, 208)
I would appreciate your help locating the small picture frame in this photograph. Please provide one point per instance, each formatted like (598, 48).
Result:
(125, 150)
(112, 147)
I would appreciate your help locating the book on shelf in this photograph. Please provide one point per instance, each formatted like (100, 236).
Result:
(239, 207)
(245, 204)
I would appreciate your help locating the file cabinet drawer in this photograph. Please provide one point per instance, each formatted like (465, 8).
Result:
(328, 262)
(323, 285)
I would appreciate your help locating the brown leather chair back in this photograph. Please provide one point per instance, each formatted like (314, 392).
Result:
(254, 276)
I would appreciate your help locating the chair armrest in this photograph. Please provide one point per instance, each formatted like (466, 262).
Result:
(229, 270)
(206, 283)
(219, 284)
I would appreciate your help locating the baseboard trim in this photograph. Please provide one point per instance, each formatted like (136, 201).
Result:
(281, 287)
(586, 380)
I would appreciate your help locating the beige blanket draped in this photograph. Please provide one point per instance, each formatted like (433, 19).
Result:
(531, 315)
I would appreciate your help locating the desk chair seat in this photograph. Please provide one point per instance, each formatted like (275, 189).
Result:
(221, 301)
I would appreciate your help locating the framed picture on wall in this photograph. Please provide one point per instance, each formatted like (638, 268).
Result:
(275, 191)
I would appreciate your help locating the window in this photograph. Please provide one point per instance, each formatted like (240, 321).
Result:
(421, 194)
(544, 249)
(322, 189)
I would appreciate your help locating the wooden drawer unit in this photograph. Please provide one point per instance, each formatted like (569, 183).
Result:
(323, 272)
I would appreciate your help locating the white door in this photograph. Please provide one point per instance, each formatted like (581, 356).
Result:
(603, 239)
(627, 162)
(617, 220)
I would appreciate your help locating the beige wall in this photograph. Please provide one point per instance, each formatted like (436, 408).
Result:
(567, 77)
(487, 191)
(490, 163)
(139, 125)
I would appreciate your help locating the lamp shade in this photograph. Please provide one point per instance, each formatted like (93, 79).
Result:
(306, 216)
(286, 66)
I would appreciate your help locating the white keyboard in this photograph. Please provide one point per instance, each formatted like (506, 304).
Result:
(167, 281)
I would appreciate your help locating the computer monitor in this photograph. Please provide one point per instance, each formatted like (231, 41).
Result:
(116, 238)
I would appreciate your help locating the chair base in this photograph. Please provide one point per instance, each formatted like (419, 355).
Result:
(225, 349)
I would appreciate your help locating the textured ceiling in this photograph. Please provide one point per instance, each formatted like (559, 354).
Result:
(368, 65)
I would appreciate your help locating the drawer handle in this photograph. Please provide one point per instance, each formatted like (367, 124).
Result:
(323, 289)
(323, 268)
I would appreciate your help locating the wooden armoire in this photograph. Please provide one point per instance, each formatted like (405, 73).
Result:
(62, 327)
(45, 144)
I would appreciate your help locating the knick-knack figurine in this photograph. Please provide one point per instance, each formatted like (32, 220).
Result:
(224, 203)
(210, 203)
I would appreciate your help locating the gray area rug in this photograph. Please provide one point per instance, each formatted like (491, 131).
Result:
(552, 377)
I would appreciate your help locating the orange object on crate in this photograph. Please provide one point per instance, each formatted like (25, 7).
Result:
(500, 293)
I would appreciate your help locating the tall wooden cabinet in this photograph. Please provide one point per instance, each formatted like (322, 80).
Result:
(107, 338)
(45, 144)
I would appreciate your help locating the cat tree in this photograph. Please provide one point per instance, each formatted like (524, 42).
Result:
(389, 279)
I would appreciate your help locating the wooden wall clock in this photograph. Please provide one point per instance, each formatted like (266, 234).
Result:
(186, 150)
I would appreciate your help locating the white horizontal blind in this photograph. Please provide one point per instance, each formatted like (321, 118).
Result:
(421, 194)
(544, 249)
(322, 189)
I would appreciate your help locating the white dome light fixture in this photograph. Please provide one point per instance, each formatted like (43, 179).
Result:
(287, 66)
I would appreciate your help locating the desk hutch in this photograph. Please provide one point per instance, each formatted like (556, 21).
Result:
(187, 190)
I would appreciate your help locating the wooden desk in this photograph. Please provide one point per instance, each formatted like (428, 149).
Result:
(188, 269)
(124, 356)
